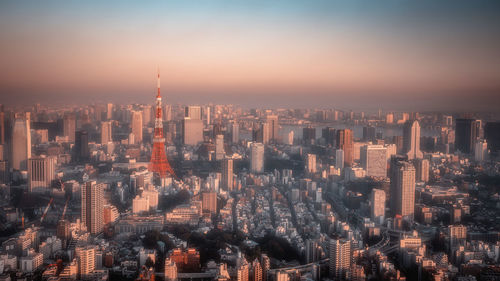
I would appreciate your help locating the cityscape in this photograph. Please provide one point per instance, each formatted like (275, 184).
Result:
(116, 181)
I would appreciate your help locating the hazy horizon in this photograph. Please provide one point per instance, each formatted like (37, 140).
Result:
(399, 55)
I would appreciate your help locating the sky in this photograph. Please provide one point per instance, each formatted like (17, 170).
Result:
(426, 55)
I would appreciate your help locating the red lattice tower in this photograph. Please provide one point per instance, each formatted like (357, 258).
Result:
(159, 163)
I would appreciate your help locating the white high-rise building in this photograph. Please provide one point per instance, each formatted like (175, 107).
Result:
(411, 140)
(140, 205)
(311, 163)
(340, 259)
(235, 132)
(219, 147)
(41, 173)
(193, 112)
(374, 160)
(21, 143)
(137, 126)
(86, 260)
(192, 131)
(109, 111)
(290, 137)
(170, 270)
(377, 208)
(106, 133)
(257, 158)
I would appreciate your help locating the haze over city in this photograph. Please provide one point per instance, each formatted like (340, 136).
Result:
(438, 54)
(275, 140)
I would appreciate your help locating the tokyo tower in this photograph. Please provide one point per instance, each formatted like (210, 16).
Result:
(159, 163)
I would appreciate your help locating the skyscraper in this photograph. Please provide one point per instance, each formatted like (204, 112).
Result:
(192, 131)
(339, 159)
(69, 126)
(411, 140)
(209, 202)
(369, 133)
(41, 173)
(309, 135)
(422, 170)
(480, 151)
(227, 174)
(311, 163)
(465, 135)
(219, 147)
(403, 189)
(136, 125)
(273, 127)
(235, 132)
(257, 158)
(109, 111)
(86, 260)
(374, 160)
(81, 148)
(377, 208)
(329, 134)
(92, 206)
(193, 112)
(340, 258)
(106, 133)
(345, 142)
(21, 142)
(492, 136)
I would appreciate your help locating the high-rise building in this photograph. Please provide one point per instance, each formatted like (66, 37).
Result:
(106, 133)
(261, 133)
(345, 142)
(257, 270)
(374, 160)
(81, 148)
(422, 167)
(4, 172)
(309, 135)
(339, 159)
(243, 271)
(140, 205)
(86, 260)
(235, 132)
(492, 136)
(290, 137)
(369, 133)
(389, 118)
(377, 208)
(136, 126)
(227, 174)
(147, 115)
(92, 206)
(69, 126)
(167, 112)
(193, 112)
(329, 134)
(170, 270)
(273, 127)
(313, 251)
(311, 163)
(265, 262)
(411, 140)
(21, 143)
(109, 111)
(466, 134)
(257, 158)
(209, 202)
(480, 151)
(457, 234)
(192, 131)
(2, 127)
(403, 189)
(41, 173)
(340, 259)
(219, 147)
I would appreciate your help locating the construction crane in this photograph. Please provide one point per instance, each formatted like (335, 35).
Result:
(65, 208)
(46, 210)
